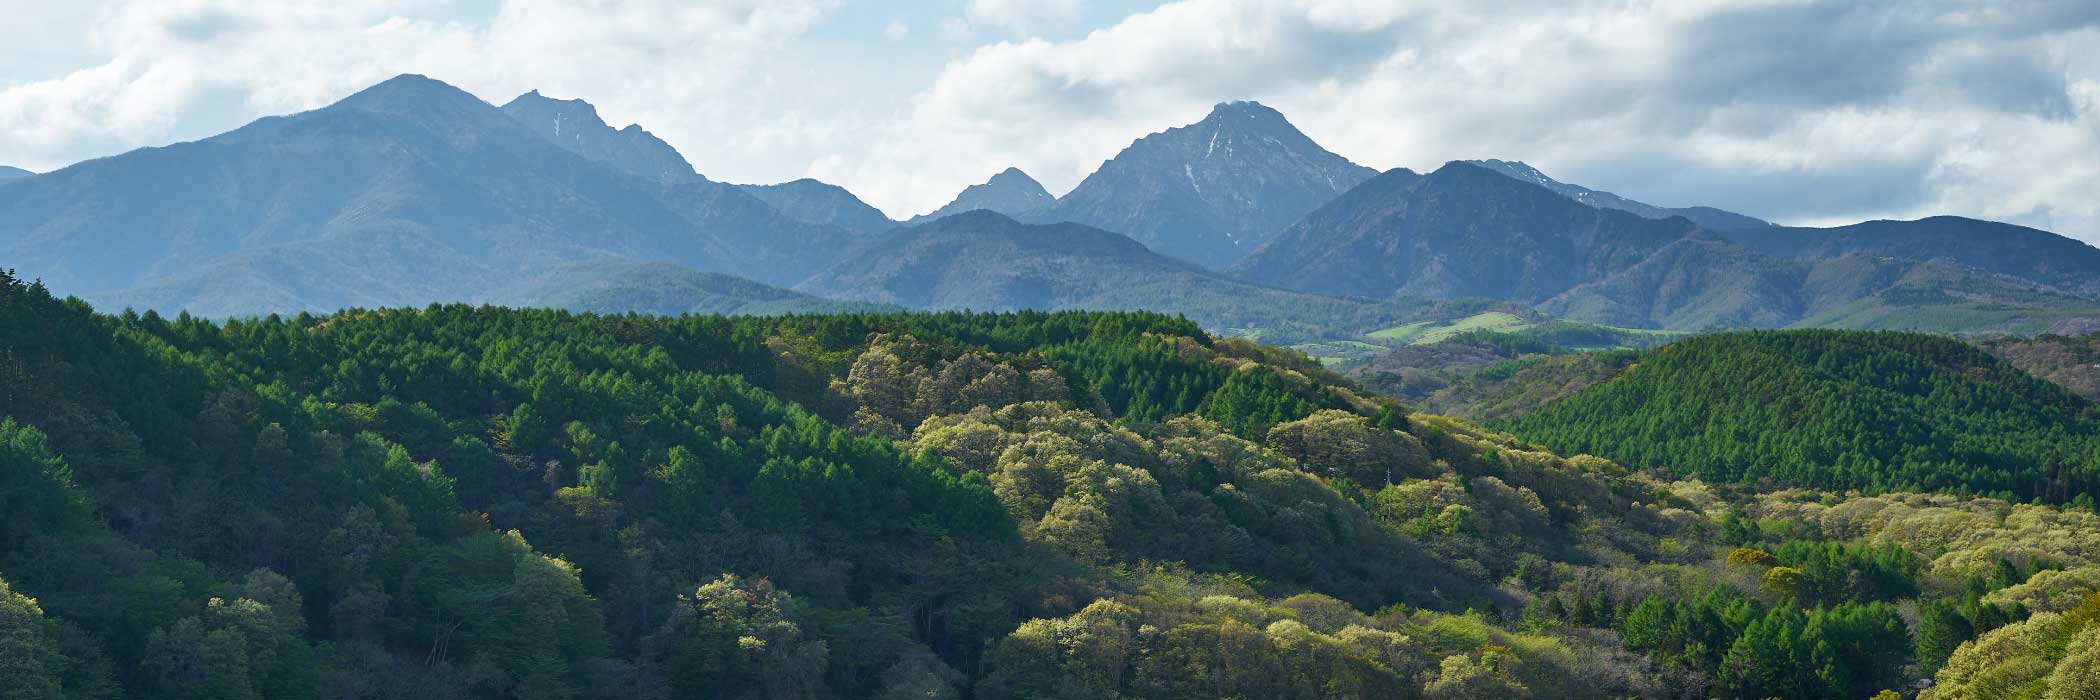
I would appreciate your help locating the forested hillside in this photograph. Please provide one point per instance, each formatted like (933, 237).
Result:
(1836, 410)
(491, 503)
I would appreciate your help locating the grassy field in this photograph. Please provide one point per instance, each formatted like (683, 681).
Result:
(1431, 332)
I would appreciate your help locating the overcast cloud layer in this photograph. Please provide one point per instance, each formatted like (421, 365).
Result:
(1807, 112)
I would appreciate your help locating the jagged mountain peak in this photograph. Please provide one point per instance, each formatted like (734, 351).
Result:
(1211, 191)
(575, 125)
(574, 107)
(1245, 110)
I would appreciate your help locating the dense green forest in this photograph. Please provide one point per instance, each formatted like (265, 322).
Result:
(1836, 410)
(463, 502)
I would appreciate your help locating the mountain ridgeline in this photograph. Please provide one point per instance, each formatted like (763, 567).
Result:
(413, 192)
(1461, 231)
(1983, 246)
(407, 193)
(1011, 192)
(816, 202)
(621, 286)
(943, 265)
(1468, 230)
(1212, 191)
(1709, 217)
(575, 125)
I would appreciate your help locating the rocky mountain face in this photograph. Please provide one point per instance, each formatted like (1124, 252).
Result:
(1211, 191)
(1011, 192)
(817, 202)
(574, 125)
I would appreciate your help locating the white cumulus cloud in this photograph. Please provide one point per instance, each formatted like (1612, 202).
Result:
(681, 68)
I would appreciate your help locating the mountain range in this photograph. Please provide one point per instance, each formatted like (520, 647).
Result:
(412, 192)
(408, 192)
(1472, 230)
(621, 285)
(942, 265)
(13, 173)
(1461, 231)
(1211, 191)
(1704, 216)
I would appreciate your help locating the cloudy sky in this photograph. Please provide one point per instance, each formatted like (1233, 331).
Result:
(1803, 111)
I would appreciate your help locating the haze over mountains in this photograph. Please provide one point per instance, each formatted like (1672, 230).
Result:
(1460, 231)
(1468, 230)
(413, 192)
(406, 193)
(8, 172)
(621, 285)
(985, 261)
(817, 202)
